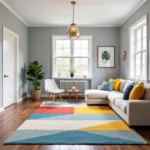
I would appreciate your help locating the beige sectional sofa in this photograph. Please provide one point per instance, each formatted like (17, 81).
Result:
(133, 112)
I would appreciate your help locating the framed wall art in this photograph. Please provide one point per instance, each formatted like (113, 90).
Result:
(105, 56)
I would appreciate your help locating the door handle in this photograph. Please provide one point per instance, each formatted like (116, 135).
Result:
(5, 76)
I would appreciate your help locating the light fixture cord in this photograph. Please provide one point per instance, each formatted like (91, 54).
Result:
(73, 14)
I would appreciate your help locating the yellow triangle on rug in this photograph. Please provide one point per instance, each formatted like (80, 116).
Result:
(118, 125)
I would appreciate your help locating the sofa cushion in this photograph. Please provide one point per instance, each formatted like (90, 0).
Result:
(116, 83)
(127, 91)
(114, 95)
(121, 85)
(128, 82)
(99, 94)
(137, 92)
(107, 86)
(147, 92)
(121, 104)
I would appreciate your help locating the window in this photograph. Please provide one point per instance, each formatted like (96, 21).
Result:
(72, 53)
(138, 50)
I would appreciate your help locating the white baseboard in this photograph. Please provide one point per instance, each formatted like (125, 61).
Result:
(63, 95)
(43, 95)
(21, 99)
(1, 109)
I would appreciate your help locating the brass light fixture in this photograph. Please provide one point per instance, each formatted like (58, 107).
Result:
(73, 31)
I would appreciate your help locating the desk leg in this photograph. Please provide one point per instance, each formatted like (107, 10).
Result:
(69, 96)
(76, 96)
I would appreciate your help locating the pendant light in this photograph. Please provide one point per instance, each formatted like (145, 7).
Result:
(73, 31)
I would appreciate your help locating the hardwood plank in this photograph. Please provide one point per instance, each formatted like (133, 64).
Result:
(16, 114)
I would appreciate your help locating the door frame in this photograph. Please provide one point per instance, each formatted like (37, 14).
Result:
(16, 65)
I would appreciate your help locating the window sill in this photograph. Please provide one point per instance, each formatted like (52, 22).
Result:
(74, 78)
(136, 79)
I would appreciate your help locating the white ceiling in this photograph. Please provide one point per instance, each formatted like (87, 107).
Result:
(92, 13)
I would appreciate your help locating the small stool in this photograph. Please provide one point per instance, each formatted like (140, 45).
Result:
(73, 92)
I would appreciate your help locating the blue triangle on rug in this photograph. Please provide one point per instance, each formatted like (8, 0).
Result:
(74, 137)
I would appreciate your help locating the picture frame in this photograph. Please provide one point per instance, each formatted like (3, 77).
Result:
(106, 56)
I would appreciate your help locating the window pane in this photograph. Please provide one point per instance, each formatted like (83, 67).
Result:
(62, 47)
(144, 65)
(144, 32)
(138, 63)
(84, 43)
(138, 46)
(81, 52)
(138, 58)
(62, 66)
(81, 65)
(59, 43)
(144, 45)
(138, 34)
(138, 71)
(62, 52)
(66, 43)
(81, 48)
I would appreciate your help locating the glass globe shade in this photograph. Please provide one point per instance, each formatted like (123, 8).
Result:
(73, 32)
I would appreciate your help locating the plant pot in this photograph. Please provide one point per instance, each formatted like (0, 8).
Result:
(36, 94)
(71, 75)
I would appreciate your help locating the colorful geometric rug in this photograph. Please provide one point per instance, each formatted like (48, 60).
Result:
(74, 125)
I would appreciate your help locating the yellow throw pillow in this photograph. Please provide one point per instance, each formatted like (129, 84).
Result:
(116, 83)
(137, 92)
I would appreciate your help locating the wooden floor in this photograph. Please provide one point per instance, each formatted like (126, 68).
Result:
(15, 115)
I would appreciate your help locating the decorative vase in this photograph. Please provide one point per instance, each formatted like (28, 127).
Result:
(73, 88)
(36, 94)
(71, 75)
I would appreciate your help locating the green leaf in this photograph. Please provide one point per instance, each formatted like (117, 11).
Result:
(30, 79)
(35, 74)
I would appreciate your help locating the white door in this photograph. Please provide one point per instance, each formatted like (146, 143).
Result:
(8, 69)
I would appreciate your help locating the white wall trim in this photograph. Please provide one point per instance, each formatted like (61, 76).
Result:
(21, 99)
(80, 26)
(132, 12)
(14, 12)
(16, 62)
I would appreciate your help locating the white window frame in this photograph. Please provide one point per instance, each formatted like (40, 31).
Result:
(132, 43)
(57, 37)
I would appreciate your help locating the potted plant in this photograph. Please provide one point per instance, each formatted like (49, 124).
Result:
(35, 75)
(72, 71)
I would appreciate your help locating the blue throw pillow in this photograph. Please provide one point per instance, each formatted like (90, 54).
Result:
(107, 86)
(127, 91)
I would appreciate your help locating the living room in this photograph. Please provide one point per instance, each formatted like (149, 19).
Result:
(74, 74)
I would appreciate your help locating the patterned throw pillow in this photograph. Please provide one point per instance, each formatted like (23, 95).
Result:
(127, 91)
(116, 83)
(107, 86)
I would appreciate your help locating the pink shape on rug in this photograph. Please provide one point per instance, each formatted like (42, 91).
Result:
(54, 110)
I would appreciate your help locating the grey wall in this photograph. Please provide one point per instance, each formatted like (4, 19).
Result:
(11, 22)
(40, 48)
(124, 36)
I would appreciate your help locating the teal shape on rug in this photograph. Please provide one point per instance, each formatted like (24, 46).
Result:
(74, 137)
(74, 117)
(40, 116)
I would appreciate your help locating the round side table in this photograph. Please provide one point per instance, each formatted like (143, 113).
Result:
(73, 92)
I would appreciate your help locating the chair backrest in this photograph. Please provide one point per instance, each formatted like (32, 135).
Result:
(50, 84)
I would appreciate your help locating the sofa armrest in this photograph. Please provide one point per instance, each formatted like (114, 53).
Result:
(138, 112)
(99, 87)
